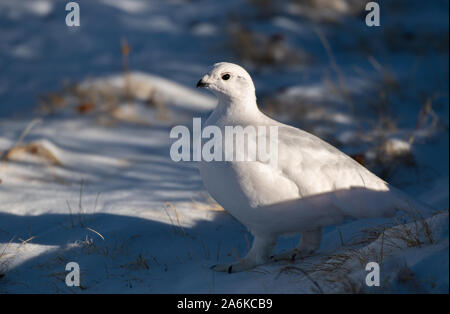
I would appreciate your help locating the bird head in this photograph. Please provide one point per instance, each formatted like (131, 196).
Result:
(228, 81)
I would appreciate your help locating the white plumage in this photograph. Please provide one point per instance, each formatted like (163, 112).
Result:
(313, 184)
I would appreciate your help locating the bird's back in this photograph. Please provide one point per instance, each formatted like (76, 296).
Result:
(318, 167)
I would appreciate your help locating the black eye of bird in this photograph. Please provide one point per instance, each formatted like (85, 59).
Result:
(225, 77)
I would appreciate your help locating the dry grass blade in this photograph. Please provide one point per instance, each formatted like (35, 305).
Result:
(300, 270)
(96, 232)
(342, 86)
(35, 149)
(6, 256)
(21, 137)
(125, 51)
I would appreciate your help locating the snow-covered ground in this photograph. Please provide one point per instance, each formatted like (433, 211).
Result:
(85, 171)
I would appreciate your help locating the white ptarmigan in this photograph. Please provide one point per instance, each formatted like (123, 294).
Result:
(313, 184)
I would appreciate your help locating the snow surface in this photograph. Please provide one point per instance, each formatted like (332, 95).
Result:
(138, 222)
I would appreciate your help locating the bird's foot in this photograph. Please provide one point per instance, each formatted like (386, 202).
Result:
(234, 267)
(258, 255)
(292, 255)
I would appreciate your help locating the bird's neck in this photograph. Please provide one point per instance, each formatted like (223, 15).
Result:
(239, 108)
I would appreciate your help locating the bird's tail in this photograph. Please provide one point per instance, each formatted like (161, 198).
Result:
(365, 203)
(410, 205)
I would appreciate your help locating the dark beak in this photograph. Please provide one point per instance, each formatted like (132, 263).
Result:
(201, 84)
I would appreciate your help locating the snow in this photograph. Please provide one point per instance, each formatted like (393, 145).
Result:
(143, 223)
